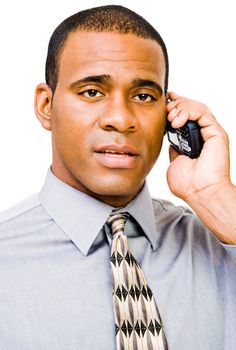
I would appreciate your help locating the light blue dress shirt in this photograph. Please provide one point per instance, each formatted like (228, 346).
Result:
(55, 275)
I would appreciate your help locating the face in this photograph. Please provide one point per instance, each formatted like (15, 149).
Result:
(107, 115)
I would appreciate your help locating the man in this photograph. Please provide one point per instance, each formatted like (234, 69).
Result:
(105, 103)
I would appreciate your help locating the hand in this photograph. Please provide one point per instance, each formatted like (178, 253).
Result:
(192, 177)
(204, 183)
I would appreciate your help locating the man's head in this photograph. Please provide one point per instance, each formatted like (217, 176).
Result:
(111, 18)
(105, 102)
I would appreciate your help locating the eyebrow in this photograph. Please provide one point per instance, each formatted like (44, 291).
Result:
(104, 78)
(100, 79)
(148, 83)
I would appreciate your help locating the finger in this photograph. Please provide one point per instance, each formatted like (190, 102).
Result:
(172, 114)
(215, 130)
(172, 103)
(171, 98)
(172, 95)
(180, 119)
(182, 109)
(203, 118)
(179, 116)
(180, 102)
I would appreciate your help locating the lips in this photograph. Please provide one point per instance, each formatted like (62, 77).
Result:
(116, 156)
(118, 149)
(114, 153)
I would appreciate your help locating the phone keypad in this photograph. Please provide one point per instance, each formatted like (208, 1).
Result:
(184, 131)
(183, 136)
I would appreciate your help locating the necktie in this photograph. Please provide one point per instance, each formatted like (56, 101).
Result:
(137, 320)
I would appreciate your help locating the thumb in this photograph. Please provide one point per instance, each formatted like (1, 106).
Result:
(173, 153)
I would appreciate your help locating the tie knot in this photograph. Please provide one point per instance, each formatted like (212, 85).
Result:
(116, 222)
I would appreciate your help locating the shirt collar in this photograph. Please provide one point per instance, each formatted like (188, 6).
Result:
(82, 217)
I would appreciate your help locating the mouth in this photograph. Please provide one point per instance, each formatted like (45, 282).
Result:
(115, 153)
(116, 156)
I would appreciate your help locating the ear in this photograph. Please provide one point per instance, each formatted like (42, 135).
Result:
(42, 105)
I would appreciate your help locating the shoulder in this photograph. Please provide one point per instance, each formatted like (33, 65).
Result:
(19, 209)
(182, 225)
(177, 216)
(24, 217)
(165, 210)
(23, 221)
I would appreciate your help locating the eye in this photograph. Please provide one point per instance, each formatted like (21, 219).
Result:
(144, 98)
(91, 93)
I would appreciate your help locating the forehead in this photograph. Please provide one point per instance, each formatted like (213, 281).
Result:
(89, 53)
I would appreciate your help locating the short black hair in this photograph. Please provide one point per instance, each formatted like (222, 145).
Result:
(110, 18)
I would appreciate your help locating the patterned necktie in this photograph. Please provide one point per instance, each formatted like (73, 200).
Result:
(137, 320)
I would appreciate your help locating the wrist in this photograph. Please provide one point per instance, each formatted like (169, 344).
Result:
(209, 195)
(216, 207)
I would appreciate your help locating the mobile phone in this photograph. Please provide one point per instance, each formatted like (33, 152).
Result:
(187, 140)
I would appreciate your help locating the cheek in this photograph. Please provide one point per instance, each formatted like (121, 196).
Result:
(69, 125)
(155, 130)
(68, 137)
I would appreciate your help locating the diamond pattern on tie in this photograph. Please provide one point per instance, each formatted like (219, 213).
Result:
(137, 320)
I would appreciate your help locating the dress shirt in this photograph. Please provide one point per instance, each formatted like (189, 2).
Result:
(55, 274)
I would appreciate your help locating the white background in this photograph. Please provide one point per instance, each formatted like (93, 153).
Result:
(200, 37)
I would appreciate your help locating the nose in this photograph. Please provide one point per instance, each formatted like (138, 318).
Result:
(118, 116)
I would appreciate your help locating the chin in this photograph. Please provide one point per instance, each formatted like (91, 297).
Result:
(114, 188)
